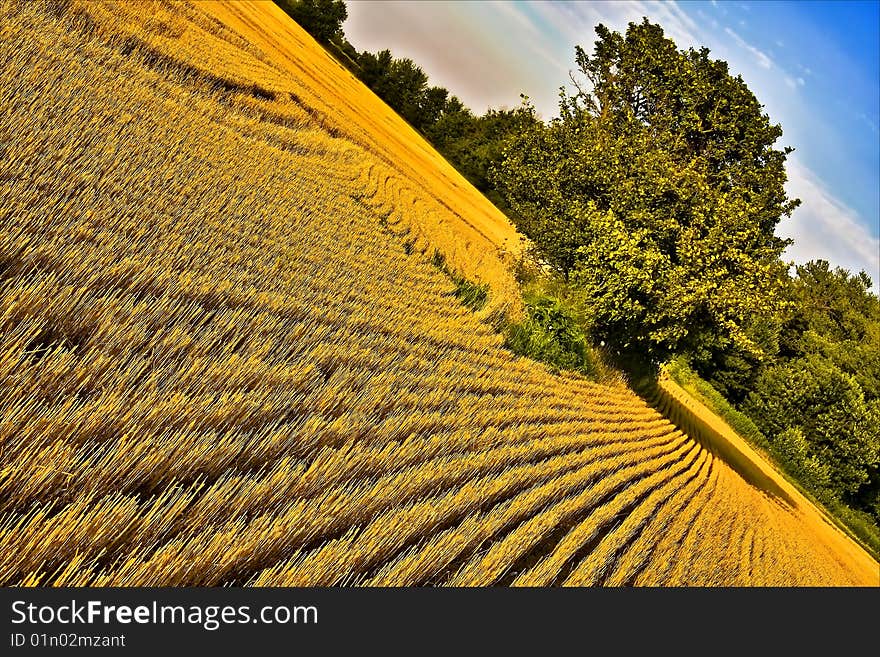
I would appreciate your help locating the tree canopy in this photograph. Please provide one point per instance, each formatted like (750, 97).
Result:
(656, 193)
(322, 19)
(825, 381)
(404, 86)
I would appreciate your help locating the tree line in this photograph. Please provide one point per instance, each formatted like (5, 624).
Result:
(651, 203)
(471, 143)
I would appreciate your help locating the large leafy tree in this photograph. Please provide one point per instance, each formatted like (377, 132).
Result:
(836, 315)
(656, 194)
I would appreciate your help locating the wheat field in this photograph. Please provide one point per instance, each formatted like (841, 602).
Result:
(226, 357)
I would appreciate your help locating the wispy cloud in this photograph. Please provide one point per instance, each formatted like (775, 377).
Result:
(512, 10)
(719, 7)
(761, 57)
(534, 42)
(824, 227)
(577, 20)
(861, 116)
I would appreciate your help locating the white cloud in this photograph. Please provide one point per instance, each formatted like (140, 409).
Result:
(824, 227)
(707, 19)
(676, 23)
(513, 11)
(529, 24)
(577, 20)
(760, 57)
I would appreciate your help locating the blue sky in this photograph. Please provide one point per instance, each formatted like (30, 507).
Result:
(815, 66)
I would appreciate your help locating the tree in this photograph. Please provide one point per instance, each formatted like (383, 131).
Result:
(322, 19)
(835, 315)
(404, 86)
(818, 398)
(475, 144)
(815, 397)
(374, 68)
(656, 193)
(732, 371)
(431, 107)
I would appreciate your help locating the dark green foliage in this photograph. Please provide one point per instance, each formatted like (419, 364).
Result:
(824, 383)
(793, 449)
(322, 19)
(732, 370)
(835, 315)
(404, 86)
(552, 333)
(657, 195)
(475, 144)
(814, 396)
(817, 396)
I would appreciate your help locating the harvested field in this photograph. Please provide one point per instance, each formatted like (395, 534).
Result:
(227, 358)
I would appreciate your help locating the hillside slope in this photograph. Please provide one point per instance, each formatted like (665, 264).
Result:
(226, 361)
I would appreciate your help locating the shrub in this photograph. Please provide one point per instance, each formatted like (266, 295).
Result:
(552, 334)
